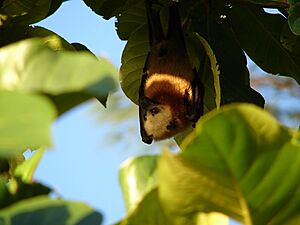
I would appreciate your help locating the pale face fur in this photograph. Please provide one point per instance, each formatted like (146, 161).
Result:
(156, 124)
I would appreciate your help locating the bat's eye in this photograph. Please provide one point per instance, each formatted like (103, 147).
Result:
(154, 111)
(172, 125)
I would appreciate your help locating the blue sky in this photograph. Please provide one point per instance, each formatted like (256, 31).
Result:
(82, 165)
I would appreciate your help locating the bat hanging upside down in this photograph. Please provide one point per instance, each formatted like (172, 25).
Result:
(171, 93)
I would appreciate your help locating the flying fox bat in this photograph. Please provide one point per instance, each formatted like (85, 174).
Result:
(171, 93)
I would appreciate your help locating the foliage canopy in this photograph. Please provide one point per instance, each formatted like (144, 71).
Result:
(239, 161)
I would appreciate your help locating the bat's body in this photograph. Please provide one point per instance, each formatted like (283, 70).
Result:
(171, 94)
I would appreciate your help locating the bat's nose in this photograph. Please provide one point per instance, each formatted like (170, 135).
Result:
(147, 139)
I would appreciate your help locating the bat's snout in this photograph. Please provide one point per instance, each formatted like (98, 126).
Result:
(147, 139)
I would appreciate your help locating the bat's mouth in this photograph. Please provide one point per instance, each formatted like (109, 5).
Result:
(147, 139)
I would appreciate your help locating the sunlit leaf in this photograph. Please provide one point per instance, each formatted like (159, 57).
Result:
(148, 212)
(214, 67)
(69, 78)
(232, 163)
(212, 219)
(28, 167)
(25, 122)
(137, 178)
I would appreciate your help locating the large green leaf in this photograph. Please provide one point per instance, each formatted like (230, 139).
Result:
(234, 77)
(148, 212)
(265, 47)
(130, 14)
(151, 212)
(45, 211)
(238, 161)
(109, 8)
(133, 61)
(139, 185)
(14, 34)
(137, 178)
(25, 122)
(105, 8)
(69, 78)
(130, 19)
(23, 12)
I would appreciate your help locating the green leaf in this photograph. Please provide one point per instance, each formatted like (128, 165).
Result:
(105, 8)
(148, 212)
(8, 164)
(133, 60)
(45, 211)
(28, 167)
(25, 122)
(137, 178)
(130, 14)
(198, 54)
(289, 40)
(4, 167)
(109, 8)
(234, 77)
(232, 163)
(266, 49)
(20, 12)
(294, 18)
(210, 76)
(132, 17)
(68, 78)
(4, 193)
(55, 4)
(212, 219)
(16, 191)
(14, 34)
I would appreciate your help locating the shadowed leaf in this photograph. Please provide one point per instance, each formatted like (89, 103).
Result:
(45, 211)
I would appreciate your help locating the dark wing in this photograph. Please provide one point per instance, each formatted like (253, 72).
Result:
(142, 108)
(195, 106)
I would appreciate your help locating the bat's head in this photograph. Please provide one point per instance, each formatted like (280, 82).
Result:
(158, 121)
